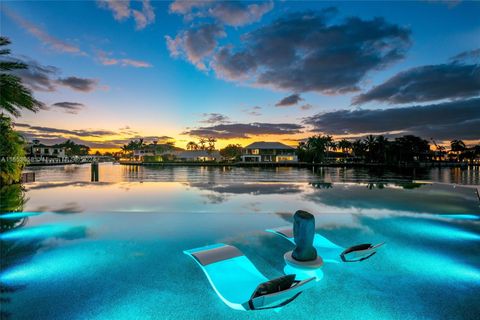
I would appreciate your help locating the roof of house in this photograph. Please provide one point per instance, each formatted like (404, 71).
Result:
(267, 145)
(160, 146)
(41, 145)
(197, 153)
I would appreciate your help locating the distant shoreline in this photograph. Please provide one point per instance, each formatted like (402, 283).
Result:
(296, 164)
(271, 164)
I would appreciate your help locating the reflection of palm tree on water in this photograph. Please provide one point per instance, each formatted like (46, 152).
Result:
(12, 199)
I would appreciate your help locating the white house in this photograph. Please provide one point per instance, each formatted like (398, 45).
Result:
(269, 152)
(40, 150)
(198, 155)
(175, 154)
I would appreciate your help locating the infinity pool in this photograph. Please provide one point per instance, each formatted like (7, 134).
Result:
(74, 249)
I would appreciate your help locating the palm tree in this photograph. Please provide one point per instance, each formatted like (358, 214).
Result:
(370, 145)
(381, 148)
(169, 146)
(359, 148)
(192, 146)
(15, 96)
(344, 145)
(317, 146)
(211, 143)
(457, 145)
(202, 142)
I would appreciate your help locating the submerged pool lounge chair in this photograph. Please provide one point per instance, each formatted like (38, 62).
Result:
(329, 251)
(238, 282)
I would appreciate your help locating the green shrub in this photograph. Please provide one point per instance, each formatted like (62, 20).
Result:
(12, 153)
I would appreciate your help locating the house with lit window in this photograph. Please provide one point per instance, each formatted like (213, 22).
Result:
(36, 149)
(269, 152)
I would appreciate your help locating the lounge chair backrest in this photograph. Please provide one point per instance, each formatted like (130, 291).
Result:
(213, 255)
(280, 298)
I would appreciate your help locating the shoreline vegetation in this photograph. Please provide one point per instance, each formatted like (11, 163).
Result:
(318, 150)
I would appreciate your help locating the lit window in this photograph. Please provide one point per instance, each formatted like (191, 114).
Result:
(255, 151)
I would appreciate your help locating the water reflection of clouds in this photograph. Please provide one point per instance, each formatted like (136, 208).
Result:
(213, 198)
(50, 185)
(70, 207)
(250, 188)
(427, 199)
(219, 193)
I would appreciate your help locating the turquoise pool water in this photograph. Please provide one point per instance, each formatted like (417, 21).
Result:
(113, 249)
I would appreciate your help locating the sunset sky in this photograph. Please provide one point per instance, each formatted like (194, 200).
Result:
(110, 71)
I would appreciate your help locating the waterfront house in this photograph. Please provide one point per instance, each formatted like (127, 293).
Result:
(198, 155)
(155, 151)
(269, 152)
(167, 152)
(36, 149)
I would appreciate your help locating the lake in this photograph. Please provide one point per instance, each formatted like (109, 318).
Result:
(113, 249)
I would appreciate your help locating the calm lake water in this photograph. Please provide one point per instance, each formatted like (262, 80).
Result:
(113, 249)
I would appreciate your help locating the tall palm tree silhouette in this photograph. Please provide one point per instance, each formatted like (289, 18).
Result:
(14, 95)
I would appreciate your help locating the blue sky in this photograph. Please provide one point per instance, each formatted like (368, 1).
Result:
(147, 91)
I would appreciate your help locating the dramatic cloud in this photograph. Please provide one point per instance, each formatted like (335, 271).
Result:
(37, 77)
(233, 66)
(212, 118)
(45, 78)
(144, 17)
(51, 135)
(244, 130)
(196, 43)
(253, 111)
(69, 107)
(427, 83)
(304, 52)
(289, 101)
(106, 60)
(122, 11)
(79, 84)
(232, 13)
(235, 13)
(466, 55)
(50, 131)
(40, 34)
(456, 119)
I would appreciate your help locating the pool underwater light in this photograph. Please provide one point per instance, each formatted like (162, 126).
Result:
(54, 265)
(18, 215)
(432, 264)
(37, 232)
(435, 230)
(461, 216)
